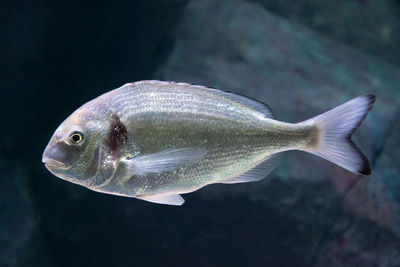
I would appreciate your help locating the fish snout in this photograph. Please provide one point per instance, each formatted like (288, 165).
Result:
(53, 157)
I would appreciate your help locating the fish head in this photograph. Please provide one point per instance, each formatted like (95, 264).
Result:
(72, 153)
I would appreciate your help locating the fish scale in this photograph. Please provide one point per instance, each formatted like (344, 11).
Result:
(223, 130)
(136, 98)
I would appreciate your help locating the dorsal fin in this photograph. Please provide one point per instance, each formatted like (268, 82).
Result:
(257, 173)
(243, 100)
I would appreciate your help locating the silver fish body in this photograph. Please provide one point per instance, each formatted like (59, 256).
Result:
(155, 140)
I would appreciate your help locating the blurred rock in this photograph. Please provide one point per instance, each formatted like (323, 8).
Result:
(377, 197)
(371, 26)
(359, 244)
(244, 48)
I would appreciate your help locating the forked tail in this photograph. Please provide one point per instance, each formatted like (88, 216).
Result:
(335, 128)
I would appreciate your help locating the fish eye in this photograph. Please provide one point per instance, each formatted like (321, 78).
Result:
(76, 137)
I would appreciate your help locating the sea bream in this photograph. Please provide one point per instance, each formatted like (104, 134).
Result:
(155, 140)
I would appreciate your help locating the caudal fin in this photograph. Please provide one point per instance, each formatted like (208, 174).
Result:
(335, 128)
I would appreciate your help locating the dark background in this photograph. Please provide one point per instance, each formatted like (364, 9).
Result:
(301, 57)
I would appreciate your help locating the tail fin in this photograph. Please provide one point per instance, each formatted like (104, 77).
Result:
(335, 128)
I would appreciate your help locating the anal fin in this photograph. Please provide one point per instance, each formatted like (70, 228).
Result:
(257, 173)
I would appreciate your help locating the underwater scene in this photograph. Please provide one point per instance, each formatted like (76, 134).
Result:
(184, 164)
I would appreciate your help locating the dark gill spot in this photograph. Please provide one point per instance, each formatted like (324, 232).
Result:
(117, 135)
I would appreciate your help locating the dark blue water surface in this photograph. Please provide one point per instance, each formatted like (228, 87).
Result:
(300, 57)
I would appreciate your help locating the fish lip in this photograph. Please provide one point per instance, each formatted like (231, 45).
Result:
(52, 163)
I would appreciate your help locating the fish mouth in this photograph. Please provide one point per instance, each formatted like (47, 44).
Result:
(53, 164)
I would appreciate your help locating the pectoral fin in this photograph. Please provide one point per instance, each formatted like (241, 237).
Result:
(166, 160)
(175, 200)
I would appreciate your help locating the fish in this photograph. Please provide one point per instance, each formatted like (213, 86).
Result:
(155, 140)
